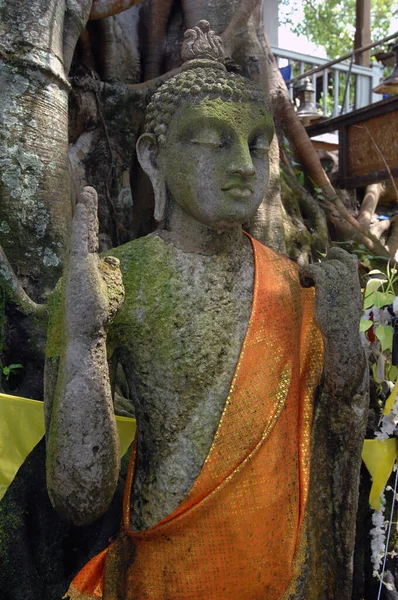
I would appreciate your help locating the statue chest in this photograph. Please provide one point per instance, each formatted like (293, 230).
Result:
(179, 339)
(183, 331)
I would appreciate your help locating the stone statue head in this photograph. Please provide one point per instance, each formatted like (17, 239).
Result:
(207, 137)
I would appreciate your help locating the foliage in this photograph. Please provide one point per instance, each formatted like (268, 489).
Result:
(331, 23)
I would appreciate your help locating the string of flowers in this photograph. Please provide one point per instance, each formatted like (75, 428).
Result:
(378, 536)
(388, 585)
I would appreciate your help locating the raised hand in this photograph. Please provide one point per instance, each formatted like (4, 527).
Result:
(82, 439)
(93, 288)
(338, 303)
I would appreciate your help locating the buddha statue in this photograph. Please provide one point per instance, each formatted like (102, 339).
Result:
(221, 352)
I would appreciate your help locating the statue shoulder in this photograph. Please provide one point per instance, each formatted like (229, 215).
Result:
(148, 275)
(143, 263)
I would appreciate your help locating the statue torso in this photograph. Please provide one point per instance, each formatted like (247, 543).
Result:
(178, 336)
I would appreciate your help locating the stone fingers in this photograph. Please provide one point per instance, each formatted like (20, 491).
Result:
(338, 262)
(337, 286)
(346, 276)
(349, 260)
(311, 275)
(330, 272)
(89, 198)
(84, 238)
(111, 275)
(79, 237)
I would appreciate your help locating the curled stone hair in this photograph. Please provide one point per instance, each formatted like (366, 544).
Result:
(203, 76)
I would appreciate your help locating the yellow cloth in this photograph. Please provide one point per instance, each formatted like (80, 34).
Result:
(236, 534)
(22, 427)
(379, 458)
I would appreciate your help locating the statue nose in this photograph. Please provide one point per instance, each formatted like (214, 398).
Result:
(241, 161)
(246, 170)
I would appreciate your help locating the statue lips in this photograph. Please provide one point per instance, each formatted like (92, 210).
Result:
(238, 189)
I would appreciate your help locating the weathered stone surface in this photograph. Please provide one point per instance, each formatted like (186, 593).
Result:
(82, 441)
(338, 431)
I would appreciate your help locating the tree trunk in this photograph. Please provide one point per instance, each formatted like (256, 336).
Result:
(35, 207)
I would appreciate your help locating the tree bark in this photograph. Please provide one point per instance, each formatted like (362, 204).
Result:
(35, 206)
(369, 203)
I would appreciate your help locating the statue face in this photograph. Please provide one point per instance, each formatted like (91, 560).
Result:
(215, 160)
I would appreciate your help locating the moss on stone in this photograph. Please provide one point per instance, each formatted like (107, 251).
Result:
(3, 297)
(56, 327)
(147, 278)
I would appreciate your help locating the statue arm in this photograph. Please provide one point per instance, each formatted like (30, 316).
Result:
(81, 435)
(339, 427)
(338, 309)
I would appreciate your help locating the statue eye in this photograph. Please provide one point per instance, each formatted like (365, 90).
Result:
(259, 145)
(260, 149)
(207, 139)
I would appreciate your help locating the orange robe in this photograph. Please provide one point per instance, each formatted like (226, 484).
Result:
(236, 533)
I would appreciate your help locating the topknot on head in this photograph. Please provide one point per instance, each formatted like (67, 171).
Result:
(203, 75)
(201, 43)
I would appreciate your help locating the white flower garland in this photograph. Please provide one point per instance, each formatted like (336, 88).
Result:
(378, 538)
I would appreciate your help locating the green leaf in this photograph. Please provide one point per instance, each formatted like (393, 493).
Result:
(6, 371)
(301, 178)
(381, 299)
(371, 287)
(375, 272)
(15, 366)
(384, 334)
(392, 373)
(365, 324)
(329, 23)
(374, 284)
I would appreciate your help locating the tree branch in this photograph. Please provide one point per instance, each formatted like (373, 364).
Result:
(312, 7)
(139, 92)
(392, 242)
(294, 130)
(15, 291)
(238, 24)
(369, 203)
(378, 228)
(75, 20)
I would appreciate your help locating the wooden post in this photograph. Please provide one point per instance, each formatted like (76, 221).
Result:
(362, 31)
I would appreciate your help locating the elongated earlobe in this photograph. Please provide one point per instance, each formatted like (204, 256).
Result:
(147, 152)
